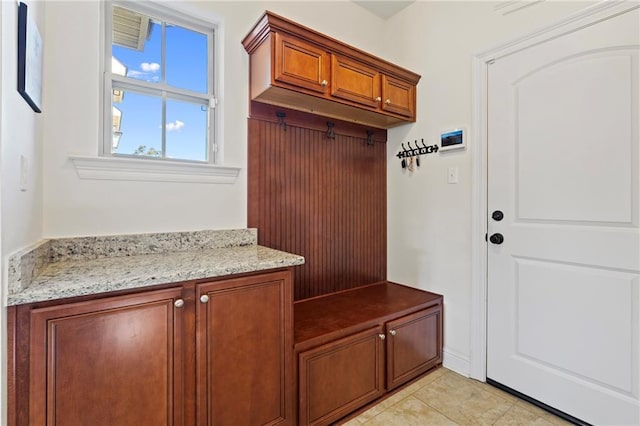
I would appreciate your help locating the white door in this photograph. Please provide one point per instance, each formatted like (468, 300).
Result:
(563, 287)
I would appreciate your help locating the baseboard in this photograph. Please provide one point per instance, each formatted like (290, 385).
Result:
(456, 361)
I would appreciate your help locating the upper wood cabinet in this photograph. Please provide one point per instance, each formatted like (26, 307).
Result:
(300, 64)
(296, 67)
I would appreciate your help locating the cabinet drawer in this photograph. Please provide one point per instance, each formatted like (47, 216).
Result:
(355, 82)
(300, 64)
(338, 377)
(414, 345)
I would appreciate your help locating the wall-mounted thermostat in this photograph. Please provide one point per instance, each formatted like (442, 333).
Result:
(452, 139)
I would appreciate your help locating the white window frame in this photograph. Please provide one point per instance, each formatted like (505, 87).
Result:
(161, 89)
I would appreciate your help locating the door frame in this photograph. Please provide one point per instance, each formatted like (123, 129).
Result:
(480, 70)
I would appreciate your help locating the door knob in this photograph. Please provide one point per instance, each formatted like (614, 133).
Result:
(496, 238)
(497, 215)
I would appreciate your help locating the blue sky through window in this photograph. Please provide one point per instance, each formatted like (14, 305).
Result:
(186, 54)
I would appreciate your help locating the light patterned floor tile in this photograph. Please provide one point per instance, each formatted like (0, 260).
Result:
(543, 414)
(463, 401)
(397, 397)
(352, 422)
(519, 416)
(410, 412)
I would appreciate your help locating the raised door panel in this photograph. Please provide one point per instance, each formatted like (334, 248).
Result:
(414, 345)
(300, 64)
(245, 350)
(339, 377)
(399, 97)
(355, 82)
(113, 361)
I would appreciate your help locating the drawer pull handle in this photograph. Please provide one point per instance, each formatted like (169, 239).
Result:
(392, 332)
(324, 83)
(204, 298)
(382, 336)
(378, 99)
(388, 101)
(178, 303)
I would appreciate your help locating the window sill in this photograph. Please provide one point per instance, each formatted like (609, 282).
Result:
(133, 169)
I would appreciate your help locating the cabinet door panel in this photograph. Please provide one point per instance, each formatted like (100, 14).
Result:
(246, 351)
(399, 97)
(300, 64)
(337, 378)
(414, 345)
(355, 82)
(114, 361)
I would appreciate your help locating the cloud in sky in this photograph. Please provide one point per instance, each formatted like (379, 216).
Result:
(150, 67)
(175, 125)
(147, 73)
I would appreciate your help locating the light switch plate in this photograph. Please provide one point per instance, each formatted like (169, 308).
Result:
(452, 175)
(24, 173)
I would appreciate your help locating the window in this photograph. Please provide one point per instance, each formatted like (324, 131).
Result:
(159, 84)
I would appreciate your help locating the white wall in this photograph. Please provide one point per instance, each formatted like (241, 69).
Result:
(429, 221)
(20, 135)
(74, 207)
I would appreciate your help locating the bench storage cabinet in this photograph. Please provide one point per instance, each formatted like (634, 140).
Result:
(355, 346)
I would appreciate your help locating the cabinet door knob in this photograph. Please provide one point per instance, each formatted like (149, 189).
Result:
(382, 336)
(324, 83)
(204, 298)
(392, 332)
(378, 99)
(178, 303)
(388, 101)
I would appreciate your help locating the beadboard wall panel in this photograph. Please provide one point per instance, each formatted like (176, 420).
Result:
(322, 198)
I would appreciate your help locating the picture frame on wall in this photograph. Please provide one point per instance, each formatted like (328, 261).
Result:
(29, 60)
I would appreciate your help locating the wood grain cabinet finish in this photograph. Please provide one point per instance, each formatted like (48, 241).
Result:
(414, 345)
(355, 346)
(216, 352)
(340, 376)
(113, 361)
(300, 64)
(245, 351)
(296, 67)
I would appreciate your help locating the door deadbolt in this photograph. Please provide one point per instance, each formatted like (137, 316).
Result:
(497, 215)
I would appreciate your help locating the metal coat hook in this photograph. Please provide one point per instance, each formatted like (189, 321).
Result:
(331, 134)
(281, 115)
(370, 137)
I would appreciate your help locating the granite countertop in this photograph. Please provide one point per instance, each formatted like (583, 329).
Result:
(78, 276)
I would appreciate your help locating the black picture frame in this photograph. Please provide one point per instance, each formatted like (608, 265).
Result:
(29, 60)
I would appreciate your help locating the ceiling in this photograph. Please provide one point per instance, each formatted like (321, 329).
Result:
(384, 8)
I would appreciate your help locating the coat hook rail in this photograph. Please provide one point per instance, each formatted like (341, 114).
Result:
(417, 150)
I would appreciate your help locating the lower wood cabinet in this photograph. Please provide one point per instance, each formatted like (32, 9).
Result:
(414, 345)
(113, 361)
(200, 353)
(340, 376)
(245, 351)
(354, 347)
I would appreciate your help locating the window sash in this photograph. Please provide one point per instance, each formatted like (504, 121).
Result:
(114, 82)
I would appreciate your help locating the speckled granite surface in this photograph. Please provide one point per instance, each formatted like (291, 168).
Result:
(92, 265)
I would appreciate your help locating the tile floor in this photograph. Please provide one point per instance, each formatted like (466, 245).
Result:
(447, 398)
